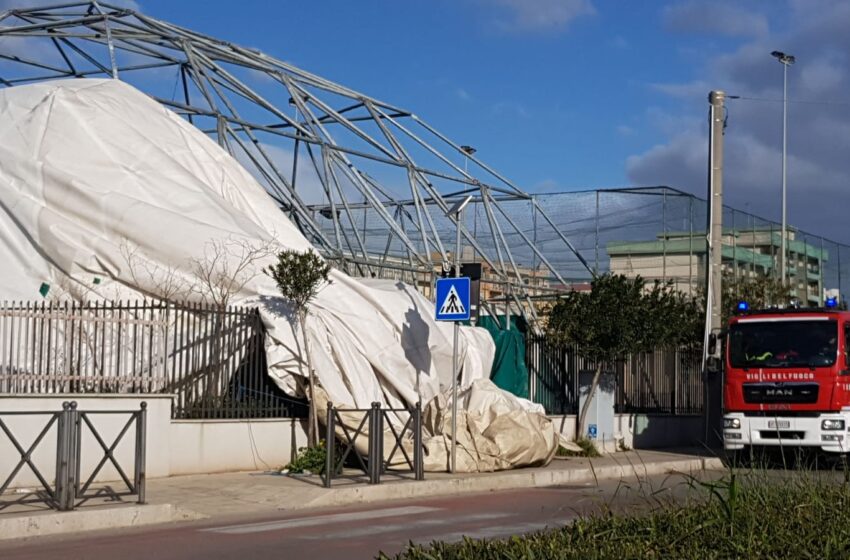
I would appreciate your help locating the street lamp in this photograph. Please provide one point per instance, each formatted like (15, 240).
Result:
(468, 150)
(786, 60)
(456, 212)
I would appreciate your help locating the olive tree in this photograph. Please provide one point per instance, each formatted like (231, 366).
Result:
(299, 277)
(620, 316)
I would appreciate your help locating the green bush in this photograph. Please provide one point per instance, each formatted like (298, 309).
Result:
(766, 516)
(310, 459)
(588, 449)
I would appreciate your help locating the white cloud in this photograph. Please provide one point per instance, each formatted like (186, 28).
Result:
(463, 94)
(689, 90)
(626, 130)
(715, 17)
(620, 42)
(511, 108)
(818, 133)
(547, 186)
(537, 15)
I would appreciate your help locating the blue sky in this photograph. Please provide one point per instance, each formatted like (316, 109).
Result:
(575, 94)
(555, 104)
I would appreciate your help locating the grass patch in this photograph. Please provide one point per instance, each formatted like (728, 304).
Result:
(756, 515)
(308, 459)
(588, 449)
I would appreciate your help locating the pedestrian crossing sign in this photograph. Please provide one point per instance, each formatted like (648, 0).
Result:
(453, 299)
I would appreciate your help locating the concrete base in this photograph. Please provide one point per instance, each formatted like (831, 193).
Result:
(643, 431)
(56, 523)
(174, 447)
(519, 479)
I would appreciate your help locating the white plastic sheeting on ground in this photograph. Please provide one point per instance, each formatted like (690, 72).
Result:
(97, 180)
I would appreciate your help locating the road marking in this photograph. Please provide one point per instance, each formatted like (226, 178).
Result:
(319, 520)
(406, 527)
(492, 532)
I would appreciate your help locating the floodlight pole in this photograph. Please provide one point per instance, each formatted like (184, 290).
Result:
(786, 60)
(457, 211)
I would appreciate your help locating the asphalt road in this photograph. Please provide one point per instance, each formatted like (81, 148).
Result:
(355, 533)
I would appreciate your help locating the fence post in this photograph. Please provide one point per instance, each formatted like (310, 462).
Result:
(330, 445)
(64, 468)
(374, 447)
(418, 459)
(141, 450)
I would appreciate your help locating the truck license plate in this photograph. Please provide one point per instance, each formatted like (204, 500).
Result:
(779, 424)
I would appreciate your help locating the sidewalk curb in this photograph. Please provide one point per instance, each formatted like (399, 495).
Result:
(513, 480)
(58, 523)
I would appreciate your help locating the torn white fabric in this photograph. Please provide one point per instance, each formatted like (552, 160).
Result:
(97, 180)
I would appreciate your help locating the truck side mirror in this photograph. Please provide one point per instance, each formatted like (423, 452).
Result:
(712, 344)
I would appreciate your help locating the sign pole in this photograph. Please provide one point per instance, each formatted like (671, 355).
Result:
(455, 364)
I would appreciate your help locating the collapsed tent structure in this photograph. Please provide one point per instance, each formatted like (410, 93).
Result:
(106, 194)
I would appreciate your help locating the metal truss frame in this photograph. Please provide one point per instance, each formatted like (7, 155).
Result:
(255, 105)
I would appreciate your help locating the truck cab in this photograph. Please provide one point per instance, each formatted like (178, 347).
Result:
(787, 379)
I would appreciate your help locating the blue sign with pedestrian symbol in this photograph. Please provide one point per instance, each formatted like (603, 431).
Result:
(453, 299)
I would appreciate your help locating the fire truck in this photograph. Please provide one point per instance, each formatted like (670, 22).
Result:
(787, 378)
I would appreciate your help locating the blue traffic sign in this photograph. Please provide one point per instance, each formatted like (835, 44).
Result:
(591, 431)
(453, 299)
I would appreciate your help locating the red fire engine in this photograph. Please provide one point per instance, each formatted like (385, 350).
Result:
(787, 378)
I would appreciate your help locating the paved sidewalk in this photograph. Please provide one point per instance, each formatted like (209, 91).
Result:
(256, 493)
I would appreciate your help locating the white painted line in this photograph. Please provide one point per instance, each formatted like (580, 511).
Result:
(492, 532)
(407, 527)
(319, 520)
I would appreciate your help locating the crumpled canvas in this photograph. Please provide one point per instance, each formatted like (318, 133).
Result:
(97, 180)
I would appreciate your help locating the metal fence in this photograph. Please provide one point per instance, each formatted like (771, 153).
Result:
(69, 486)
(212, 359)
(656, 232)
(660, 382)
(369, 423)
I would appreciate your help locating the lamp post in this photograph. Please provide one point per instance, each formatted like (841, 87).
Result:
(469, 150)
(456, 212)
(786, 60)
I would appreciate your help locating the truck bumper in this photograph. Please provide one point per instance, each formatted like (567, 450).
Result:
(740, 431)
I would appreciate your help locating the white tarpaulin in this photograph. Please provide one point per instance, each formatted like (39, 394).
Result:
(97, 180)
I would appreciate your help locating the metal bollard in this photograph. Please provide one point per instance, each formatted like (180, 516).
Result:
(418, 451)
(330, 445)
(75, 442)
(141, 449)
(374, 446)
(63, 458)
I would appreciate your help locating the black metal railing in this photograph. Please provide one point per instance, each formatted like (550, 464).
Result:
(371, 425)
(212, 359)
(667, 381)
(68, 489)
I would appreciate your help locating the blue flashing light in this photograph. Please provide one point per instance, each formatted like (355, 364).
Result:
(743, 306)
(832, 302)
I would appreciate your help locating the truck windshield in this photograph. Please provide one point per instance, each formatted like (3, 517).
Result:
(783, 343)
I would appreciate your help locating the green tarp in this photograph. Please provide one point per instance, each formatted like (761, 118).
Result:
(509, 370)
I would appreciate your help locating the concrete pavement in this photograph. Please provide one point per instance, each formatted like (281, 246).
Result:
(360, 532)
(230, 495)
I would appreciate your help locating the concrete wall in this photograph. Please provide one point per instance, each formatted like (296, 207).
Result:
(26, 429)
(207, 446)
(173, 446)
(645, 431)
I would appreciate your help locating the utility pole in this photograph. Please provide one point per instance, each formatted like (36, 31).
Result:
(714, 270)
(712, 349)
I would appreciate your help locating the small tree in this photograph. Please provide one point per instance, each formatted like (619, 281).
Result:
(758, 291)
(617, 317)
(299, 276)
